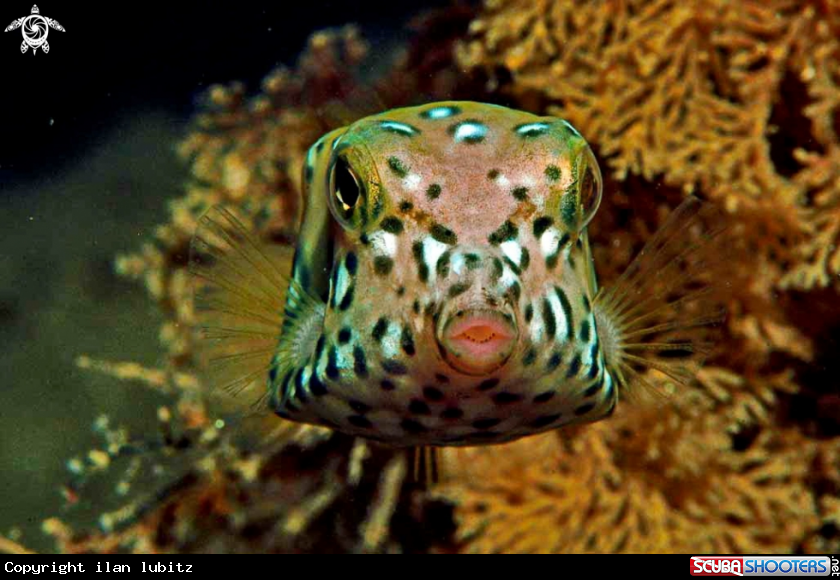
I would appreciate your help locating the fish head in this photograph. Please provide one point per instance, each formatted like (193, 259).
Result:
(458, 285)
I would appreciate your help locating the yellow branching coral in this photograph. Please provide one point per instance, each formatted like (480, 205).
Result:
(681, 481)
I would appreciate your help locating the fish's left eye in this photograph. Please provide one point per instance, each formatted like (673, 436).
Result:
(346, 185)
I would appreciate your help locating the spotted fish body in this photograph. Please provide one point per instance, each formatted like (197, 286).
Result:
(443, 291)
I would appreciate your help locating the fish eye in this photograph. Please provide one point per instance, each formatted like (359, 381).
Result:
(591, 187)
(345, 187)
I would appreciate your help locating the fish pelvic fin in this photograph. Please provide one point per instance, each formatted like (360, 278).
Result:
(664, 311)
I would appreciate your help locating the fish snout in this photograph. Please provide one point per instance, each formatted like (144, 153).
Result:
(477, 340)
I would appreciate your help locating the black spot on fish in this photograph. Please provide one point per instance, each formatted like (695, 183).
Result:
(433, 192)
(364, 239)
(332, 364)
(359, 421)
(544, 397)
(520, 193)
(568, 207)
(308, 173)
(513, 266)
(272, 374)
(387, 385)
(493, 174)
(541, 224)
(507, 231)
(554, 361)
(347, 301)
(514, 292)
(553, 173)
(383, 265)
(392, 225)
(486, 423)
(548, 318)
(442, 266)
(443, 234)
(530, 357)
(574, 367)
(412, 426)
(441, 378)
(584, 331)
(487, 385)
(498, 269)
(418, 407)
(416, 307)
(529, 313)
(433, 393)
(379, 329)
(584, 409)
(401, 291)
(586, 304)
(394, 367)
(344, 335)
(458, 289)
(407, 341)
(452, 413)
(397, 166)
(593, 390)
(505, 398)
(567, 311)
(319, 348)
(545, 421)
(358, 406)
(525, 259)
(351, 262)
(360, 362)
(406, 206)
(472, 261)
(422, 267)
(316, 387)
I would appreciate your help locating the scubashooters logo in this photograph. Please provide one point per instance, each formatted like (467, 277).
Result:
(764, 566)
(35, 29)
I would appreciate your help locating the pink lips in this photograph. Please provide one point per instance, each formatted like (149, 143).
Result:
(478, 341)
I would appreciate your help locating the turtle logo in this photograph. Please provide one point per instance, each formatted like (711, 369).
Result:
(35, 28)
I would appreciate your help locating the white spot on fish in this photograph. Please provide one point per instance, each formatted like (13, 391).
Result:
(341, 283)
(432, 251)
(391, 342)
(512, 250)
(532, 129)
(440, 112)
(398, 127)
(384, 243)
(559, 315)
(412, 181)
(549, 242)
(466, 131)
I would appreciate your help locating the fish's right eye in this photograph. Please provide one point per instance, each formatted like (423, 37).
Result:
(345, 186)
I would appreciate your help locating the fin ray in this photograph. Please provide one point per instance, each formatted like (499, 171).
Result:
(662, 311)
(240, 295)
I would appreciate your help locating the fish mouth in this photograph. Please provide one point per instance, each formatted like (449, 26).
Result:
(478, 341)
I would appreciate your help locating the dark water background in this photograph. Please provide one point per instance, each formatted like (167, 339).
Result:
(86, 164)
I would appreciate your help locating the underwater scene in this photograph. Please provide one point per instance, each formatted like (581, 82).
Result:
(511, 276)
